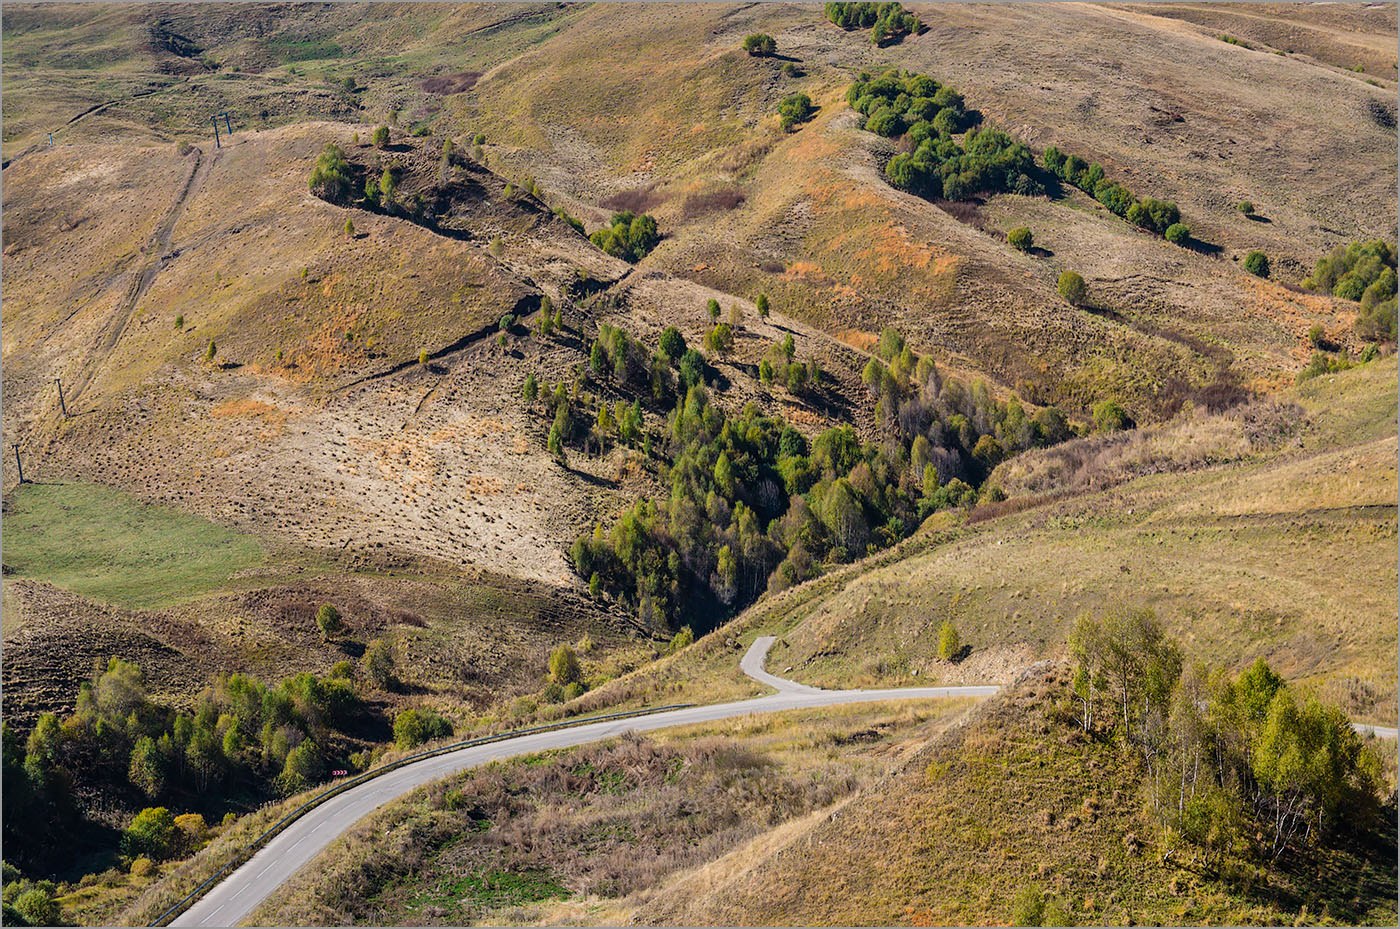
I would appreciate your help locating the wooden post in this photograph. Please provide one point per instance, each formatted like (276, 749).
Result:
(63, 405)
(18, 464)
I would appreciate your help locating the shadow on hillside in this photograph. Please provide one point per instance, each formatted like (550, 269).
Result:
(1204, 248)
(1256, 218)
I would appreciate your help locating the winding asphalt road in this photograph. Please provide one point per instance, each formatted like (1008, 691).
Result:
(233, 899)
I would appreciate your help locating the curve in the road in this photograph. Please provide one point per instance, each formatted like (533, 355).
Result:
(234, 898)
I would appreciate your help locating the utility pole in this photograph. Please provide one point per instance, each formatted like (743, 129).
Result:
(227, 125)
(18, 464)
(61, 403)
(50, 140)
(216, 131)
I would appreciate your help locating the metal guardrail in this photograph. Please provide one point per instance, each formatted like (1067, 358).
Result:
(335, 790)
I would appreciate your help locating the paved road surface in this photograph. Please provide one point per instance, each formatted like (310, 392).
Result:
(233, 899)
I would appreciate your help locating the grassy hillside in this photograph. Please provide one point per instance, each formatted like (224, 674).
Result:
(108, 547)
(510, 842)
(1284, 554)
(1003, 811)
(276, 401)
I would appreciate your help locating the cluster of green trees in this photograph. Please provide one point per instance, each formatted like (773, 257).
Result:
(794, 109)
(888, 22)
(30, 903)
(753, 504)
(332, 179)
(628, 236)
(242, 739)
(927, 116)
(781, 366)
(624, 363)
(1236, 764)
(1363, 272)
(1159, 216)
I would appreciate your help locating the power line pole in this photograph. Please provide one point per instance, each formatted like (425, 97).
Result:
(227, 124)
(18, 464)
(63, 405)
(216, 131)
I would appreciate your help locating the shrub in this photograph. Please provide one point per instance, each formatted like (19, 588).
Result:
(794, 109)
(413, 727)
(330, 176)
(761, 304)
(479, 139)
(1323, 363)
(672, 343)
(328, 621)
(720, 339)
(628, 236)
(1178, 233)
(1245, 207)
(683, 639)
(1027, 906)
(143, 867)
(1020, 238)
(760, 43)
(379, 664)
(190, 832)
(1109, 416)
(1316, 335)
(1072, 287)
(380, 139)
(530, 392)
(423, 357)
(564, 666)
(38, 908)
(712, 309)
(151, 833)
(948, 642)
(180, 321)
(1257, 263)
(211, 351)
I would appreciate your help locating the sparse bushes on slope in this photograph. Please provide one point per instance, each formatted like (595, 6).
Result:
(380, 139)
(1257, 263)
(1149, 213)
(628, 236)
